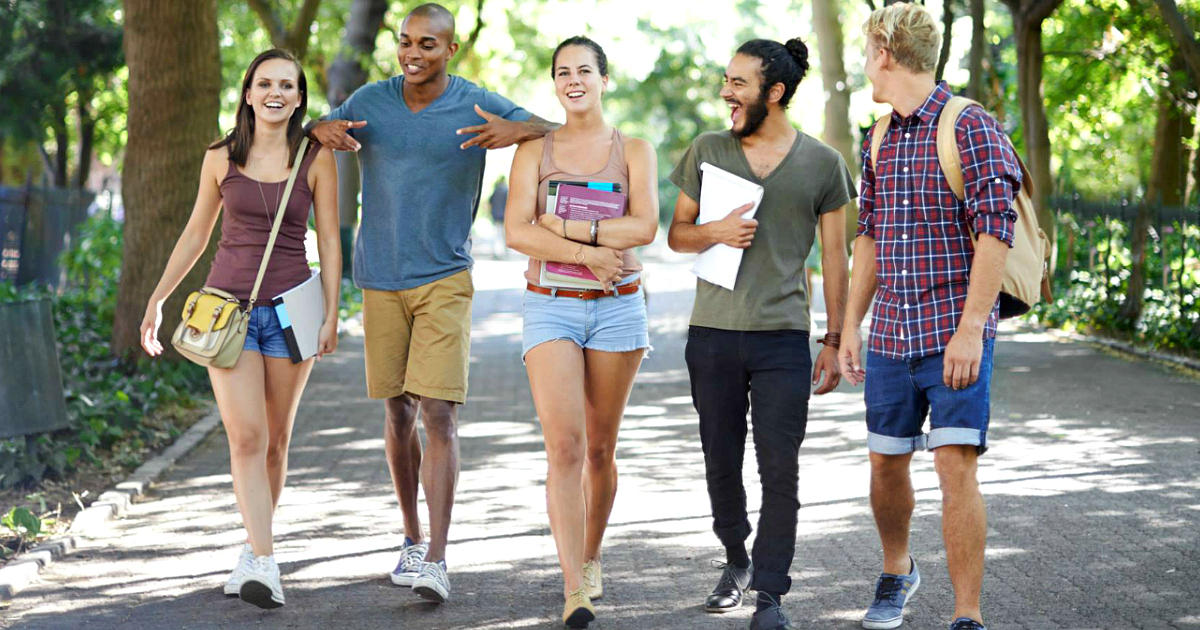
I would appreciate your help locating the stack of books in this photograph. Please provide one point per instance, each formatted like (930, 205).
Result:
(580, 201)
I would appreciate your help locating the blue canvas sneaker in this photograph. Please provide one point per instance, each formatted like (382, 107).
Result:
(412, 555)
(966, 623)
(892, 592)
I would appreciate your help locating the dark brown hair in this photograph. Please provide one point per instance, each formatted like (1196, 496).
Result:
(241, 136)
(580, 40)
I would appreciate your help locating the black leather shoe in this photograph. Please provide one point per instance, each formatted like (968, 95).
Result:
(771, 619)
(730, 589)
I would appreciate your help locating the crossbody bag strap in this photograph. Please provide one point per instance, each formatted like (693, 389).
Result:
(279, 212)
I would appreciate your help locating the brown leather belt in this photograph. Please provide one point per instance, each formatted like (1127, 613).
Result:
(588, 294)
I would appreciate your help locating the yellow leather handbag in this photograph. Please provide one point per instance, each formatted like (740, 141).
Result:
(213, 329)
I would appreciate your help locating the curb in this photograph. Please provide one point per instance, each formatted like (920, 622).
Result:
(1185, 362)
(20, 573)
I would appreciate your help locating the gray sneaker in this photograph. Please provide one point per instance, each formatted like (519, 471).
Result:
(892, 592)
(432, 583)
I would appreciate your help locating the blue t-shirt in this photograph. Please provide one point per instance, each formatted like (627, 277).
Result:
(420, 191)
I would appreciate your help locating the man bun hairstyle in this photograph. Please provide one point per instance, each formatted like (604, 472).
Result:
(580, 40)
(909, 32)
(781, 63)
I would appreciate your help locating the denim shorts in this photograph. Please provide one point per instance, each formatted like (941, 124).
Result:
(608, 324)
(900, 393)
(264, 335)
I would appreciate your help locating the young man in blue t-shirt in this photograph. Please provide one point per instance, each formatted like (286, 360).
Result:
(421, 189)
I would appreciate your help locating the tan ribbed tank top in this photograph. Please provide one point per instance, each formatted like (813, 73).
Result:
(616, 171)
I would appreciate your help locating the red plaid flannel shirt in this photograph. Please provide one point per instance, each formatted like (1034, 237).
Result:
(923, 249)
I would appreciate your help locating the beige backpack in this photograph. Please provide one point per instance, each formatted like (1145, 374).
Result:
(1027, 270)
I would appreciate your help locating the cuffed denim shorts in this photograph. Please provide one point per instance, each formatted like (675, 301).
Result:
(608, 324)
(901, 393)
(264, 334)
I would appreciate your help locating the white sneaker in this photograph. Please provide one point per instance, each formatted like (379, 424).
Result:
(433, 584)
(412, 556)
(261, 585)
(233, 586)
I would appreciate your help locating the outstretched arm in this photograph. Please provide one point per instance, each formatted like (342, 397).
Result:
(189, 247)
(497, 132)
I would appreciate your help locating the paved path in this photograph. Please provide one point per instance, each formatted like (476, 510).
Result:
(1091, 486)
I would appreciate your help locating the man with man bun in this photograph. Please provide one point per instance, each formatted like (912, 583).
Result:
(749, 347)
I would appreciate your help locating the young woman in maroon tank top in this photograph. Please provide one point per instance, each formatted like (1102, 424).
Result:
(246, 173)
(581, 376)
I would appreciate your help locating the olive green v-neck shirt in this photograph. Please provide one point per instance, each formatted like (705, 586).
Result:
(770, 292)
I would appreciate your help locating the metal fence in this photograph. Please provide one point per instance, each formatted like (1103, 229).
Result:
(1096, 233)
(36, 225)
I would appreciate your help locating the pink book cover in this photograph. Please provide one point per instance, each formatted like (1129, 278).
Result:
(580, 203)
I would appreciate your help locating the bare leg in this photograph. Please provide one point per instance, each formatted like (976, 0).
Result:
(892, 502)
(556, 377)
(403, 448)
(285, 383)
(609, 380)
(439, 470)
(964, 525)
(240, 398)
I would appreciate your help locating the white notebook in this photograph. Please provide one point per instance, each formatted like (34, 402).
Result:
(301, 311)
(720, 193)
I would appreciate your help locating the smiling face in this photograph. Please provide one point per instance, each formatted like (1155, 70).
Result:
(274, 92)
(743, 93)
(577, 80)
(426, 46)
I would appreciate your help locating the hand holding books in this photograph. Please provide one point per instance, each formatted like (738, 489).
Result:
(582, 204)
(604, 263)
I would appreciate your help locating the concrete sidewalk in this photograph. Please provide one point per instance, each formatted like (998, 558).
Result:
(1091, 485)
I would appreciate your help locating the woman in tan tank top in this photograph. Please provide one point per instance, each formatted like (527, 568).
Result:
(582, 349)
(246, 173)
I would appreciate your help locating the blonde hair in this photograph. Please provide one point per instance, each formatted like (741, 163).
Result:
(909, 32)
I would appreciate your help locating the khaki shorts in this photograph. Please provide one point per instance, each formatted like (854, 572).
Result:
(419, 340)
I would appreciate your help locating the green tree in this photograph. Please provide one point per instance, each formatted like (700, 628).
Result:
(58, 59)
(174, 87)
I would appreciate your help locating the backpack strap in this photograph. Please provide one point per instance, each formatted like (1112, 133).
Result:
(877, 133)
(949, 156)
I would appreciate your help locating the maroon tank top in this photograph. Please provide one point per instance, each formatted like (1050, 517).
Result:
(250, 208)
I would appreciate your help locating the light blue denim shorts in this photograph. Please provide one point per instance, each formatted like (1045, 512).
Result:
(608, 324)
(264, 334)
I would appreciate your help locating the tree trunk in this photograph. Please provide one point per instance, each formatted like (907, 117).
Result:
(827, 23)
(173, 55)
(62, 141)
(87, 136)
(1166, 182)
(947, 32)
(975, 60)
(1185, 39)
(1035, 127)
(346, 74)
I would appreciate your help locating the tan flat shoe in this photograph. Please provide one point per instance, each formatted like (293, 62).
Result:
(579, 610)
(593, 579)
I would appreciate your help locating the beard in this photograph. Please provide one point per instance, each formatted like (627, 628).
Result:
(753, 118)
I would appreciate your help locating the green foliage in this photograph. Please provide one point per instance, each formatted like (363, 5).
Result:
(1094, 273)
(20, 521)
(57, 63)
(107, 399)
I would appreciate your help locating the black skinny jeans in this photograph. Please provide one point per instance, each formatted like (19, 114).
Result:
(768, 372)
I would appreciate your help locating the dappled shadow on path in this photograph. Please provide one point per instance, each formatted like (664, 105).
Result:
(1090, 479)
